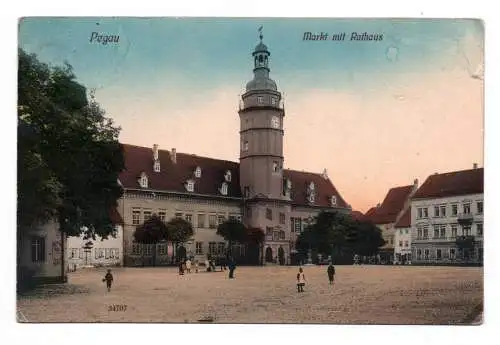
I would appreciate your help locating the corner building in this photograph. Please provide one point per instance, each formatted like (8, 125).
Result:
(206, 191)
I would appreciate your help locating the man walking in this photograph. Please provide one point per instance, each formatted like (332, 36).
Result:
(331, 273)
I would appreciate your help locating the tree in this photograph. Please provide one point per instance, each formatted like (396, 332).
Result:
(180, 230)
(232, 230)
(339, 235)
(69, 154)
(151, 232)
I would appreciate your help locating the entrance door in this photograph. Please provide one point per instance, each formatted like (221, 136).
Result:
(269, 254)
(281, 255)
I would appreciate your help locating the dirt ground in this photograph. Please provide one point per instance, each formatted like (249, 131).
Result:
(360, 295)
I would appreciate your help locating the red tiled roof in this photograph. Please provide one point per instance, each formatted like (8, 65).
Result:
(173, 176)
(357, 215)
(391, 206)
(370, 211)
(453, 183)
(405, 220)
(324, 188)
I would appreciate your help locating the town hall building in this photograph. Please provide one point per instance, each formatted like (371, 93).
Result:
(257, 190)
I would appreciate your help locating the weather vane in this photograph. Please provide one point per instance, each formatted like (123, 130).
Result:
(260, 32)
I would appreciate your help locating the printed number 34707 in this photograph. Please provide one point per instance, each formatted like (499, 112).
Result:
(117, 307)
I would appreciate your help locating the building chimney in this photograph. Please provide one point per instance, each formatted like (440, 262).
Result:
(325, 174)
(378, 205)
(415, 182)
(155, 152)
(474, 166)
(173, 155)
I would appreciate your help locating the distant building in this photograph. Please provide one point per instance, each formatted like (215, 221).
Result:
(357, 215)
(402, 239)
(258, 190)
(41, 257)
(447, 219)
(87, 252)
(387, 214)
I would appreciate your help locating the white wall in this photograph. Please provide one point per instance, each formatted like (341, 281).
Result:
(107, 252)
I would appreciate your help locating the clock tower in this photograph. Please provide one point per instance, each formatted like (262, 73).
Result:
(261, 132)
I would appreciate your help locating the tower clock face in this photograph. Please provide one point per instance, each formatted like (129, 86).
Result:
(275, 122)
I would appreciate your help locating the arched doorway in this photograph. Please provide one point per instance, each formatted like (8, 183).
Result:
(281, 255)
(269, 254)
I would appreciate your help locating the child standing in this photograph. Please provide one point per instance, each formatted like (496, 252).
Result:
(108, 278)
(188, 265)
(301, 280)
(331, 273)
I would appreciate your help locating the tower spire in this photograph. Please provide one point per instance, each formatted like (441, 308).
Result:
(260, 33)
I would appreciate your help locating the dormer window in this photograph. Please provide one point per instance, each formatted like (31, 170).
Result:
(143, 181)
(227, 176)
(156, 166)
(333, 200)
(311, 186)
(223, 189)
(289, 184)
(190, 186)
(311, 198)
(197, 172)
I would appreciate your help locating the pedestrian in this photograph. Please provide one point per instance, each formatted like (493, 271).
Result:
(232, 267)
(331, 273)
(188, 265)
(301, 280)
(108, 278)
(196, 264)
(181, 268)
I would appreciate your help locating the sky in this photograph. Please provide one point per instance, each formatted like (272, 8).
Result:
(375, 114)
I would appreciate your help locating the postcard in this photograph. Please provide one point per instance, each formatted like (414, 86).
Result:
(263, 170)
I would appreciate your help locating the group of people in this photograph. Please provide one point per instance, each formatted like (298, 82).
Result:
(301, 277)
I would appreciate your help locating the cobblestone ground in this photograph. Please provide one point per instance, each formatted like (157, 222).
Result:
(360, 295)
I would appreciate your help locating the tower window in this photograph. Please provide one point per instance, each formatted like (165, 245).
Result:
(245, 146)
(261, 58)
(260, 99)
(274, 101)
(275, 167)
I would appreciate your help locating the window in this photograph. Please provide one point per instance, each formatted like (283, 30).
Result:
(143, 181)
(80, 253)
(466, 230)
(275, 167)
(454, 209)
(426, 214)
(453, 231)
(436, 211)
(227, 176)
(162, 214)
(292, 224)
(442, 233)
(136, 249)
(147, 249)
(246, 191)
(147, 215)
(400, 243)
(420, 213)
(73, 253)
(311, 198)
(426, 232)
(197, 172)
(275, 122)
(407, 231)
(260, 99)
(269, 214)
(107, 253)
(401, 231)
(419, 254)
(438, 254)
(406, 244)
(298, 224)
(199, 248)
(333, 200)
(274, 101)
(201, 220)
(436, 231)
(178, 215)
(136, 216)
(479, 206)
(212, 221)
(269, 231)
(221, 248)
(245, 146)
(419, 233)
(467, 208)
(212, 248)
(162, 249)
(426, 254)
(282, 235)
(479, 229)
(157, 166)
(282, 218)
(99, 253)
(189, 218)
(221, 219)
(223, 189)
(452, 253)
(443, 210)
(190, 186)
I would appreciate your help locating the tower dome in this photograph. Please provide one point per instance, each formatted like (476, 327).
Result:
(261, 80)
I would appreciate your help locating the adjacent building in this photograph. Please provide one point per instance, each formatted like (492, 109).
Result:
(447, 219)
(205, 191)
(402, 239)
(387, 214)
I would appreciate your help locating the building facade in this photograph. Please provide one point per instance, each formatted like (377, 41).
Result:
(402, 239)
(258, 190)
(447, 219)
(40, 254)
(386, 215)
